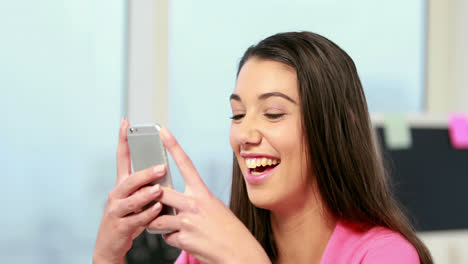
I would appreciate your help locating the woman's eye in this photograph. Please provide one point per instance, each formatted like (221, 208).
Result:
(237, 117)
(274, 116)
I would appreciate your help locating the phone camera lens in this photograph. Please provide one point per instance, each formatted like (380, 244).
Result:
(131, 130)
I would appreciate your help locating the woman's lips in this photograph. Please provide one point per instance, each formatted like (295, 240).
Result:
(257, 179)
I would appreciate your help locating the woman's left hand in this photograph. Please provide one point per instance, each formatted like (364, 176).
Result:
(206, 228)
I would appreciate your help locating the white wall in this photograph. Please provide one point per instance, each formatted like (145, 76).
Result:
(148, 61)
(447, 81)
(141, 60)
(450, 247)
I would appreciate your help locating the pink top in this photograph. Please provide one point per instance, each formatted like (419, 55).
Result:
(350, 244)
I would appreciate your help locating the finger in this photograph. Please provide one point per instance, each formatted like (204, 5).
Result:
(135, 202)
(184, 163)
(138, 180)
(176, 199)
(165, 222)
(123, 153)
(177, 239)
(171, 239)
(145, 217)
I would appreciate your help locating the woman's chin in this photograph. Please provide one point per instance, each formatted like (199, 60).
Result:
(262, 198)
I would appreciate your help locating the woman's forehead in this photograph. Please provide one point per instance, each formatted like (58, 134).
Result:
(258, 76)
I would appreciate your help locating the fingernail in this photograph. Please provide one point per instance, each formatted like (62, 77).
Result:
(155, 188)
(156, 206)
(158, 168)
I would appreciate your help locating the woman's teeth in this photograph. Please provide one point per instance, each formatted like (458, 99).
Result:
(257, 162)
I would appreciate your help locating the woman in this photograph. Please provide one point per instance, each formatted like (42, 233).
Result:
(308, 185)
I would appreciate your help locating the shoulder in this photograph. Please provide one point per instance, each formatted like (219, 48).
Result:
(355, 243)
(185, 258)
(387, 246)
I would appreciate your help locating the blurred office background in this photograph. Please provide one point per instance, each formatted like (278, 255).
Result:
(69, 71)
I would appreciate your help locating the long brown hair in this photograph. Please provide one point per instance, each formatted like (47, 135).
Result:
(342, 153)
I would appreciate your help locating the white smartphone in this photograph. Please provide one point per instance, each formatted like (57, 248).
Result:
(147, 150)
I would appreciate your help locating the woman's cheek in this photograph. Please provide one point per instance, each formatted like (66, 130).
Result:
(232, 139)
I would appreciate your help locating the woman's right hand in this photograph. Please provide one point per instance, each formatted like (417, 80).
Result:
(123, 218)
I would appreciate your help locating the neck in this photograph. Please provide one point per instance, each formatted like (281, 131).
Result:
(302, 232)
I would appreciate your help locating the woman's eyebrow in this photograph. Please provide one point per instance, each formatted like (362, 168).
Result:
(264, 97)
(282, 95)
(235, 97)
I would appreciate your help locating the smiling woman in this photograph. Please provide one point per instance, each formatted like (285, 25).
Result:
(307, 187)
(330, 184)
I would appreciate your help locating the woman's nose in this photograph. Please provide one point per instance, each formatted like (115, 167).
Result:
(248, 133)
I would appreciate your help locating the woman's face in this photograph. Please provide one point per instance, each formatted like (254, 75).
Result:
(266, 134)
